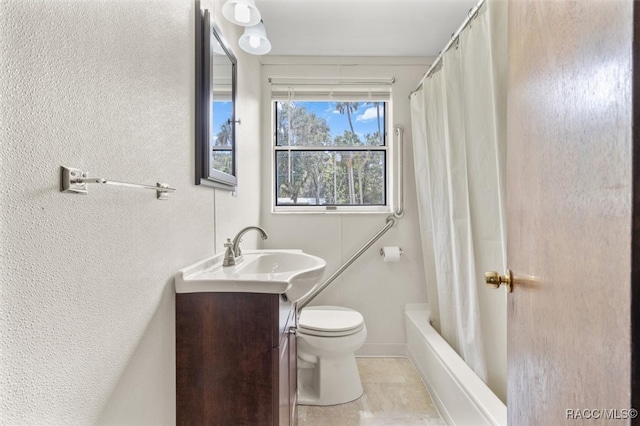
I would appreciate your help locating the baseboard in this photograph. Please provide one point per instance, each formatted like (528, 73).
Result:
(383, 349)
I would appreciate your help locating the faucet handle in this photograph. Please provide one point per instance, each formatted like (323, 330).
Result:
(229, 255)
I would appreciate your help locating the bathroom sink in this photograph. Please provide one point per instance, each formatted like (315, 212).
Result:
(291, 272)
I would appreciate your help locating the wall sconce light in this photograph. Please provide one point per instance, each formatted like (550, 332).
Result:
(241, 12)
(254, 40)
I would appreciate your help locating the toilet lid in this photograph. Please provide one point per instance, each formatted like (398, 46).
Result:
(334, 319)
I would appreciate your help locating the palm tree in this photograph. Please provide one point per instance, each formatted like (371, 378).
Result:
(224, 134)
(377, 105)
(348, 108)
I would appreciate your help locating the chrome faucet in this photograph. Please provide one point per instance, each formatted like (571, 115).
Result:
(233, 252)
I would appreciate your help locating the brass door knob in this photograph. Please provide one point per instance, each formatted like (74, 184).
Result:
(494, 280)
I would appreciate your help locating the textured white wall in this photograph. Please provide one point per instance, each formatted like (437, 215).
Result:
(376, 289)
(86, 288)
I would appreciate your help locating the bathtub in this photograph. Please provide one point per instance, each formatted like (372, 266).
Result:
(460, 396)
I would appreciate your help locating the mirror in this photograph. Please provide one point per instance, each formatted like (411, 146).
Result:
(215, 106)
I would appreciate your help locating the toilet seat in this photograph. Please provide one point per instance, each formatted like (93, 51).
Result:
(330, 321)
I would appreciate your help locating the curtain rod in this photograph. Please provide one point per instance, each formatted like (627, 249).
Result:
(473, 12)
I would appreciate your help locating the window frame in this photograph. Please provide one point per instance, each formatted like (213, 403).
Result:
(386, 149)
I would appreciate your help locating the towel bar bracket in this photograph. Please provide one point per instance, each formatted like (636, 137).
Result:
(72, 180)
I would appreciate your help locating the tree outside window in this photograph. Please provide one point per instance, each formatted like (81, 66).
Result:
(330, 153)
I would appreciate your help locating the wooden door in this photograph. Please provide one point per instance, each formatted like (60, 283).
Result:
(569, 211)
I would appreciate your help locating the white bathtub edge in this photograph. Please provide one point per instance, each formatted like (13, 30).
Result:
(458, 393)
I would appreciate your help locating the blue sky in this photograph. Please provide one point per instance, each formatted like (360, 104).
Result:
(364, 119)
(221, 114)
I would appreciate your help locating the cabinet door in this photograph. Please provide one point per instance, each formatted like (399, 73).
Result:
(293, 378)
(284, 397)
(225, 358)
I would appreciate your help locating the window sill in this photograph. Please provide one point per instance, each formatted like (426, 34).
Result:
(382, 210)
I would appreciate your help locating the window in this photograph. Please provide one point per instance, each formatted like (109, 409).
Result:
(222, 137)
(330, 154)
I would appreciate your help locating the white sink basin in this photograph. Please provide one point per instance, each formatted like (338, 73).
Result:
(292, 272)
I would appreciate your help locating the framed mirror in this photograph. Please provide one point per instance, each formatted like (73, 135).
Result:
(215, 111)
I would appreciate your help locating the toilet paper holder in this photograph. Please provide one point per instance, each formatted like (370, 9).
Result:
(382, 251)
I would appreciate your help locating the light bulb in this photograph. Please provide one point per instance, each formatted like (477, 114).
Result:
(254, 41)
(242, 13)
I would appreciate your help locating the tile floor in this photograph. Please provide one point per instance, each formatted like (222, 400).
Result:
(394, 395)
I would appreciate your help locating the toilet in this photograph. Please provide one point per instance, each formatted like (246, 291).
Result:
(328, 337)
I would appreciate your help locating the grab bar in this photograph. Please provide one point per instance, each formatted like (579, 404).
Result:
(75, 181)
(391, 220)
(399, 212)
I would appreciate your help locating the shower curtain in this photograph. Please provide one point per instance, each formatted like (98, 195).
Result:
(459, 128)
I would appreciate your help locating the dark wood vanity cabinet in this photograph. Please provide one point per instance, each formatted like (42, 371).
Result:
(235, 359)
